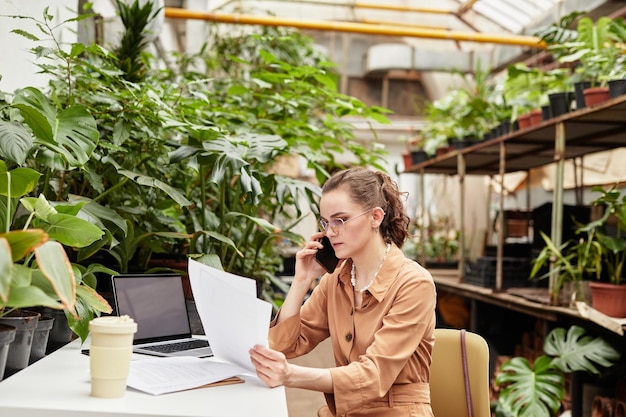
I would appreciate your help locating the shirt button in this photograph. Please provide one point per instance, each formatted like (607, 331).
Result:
(349, 337)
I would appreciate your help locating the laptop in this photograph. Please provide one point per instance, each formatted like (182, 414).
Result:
(157, 304)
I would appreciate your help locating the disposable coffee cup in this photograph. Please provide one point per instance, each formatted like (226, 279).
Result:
(109, 355)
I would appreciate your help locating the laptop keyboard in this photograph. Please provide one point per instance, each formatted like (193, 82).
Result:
(178, 346)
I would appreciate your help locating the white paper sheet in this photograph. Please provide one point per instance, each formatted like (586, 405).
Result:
(163, 375)
(234, 319)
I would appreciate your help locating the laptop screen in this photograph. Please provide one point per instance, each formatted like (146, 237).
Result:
(156, 303)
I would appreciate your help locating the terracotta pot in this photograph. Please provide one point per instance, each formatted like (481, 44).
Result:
(536, 117)
(443, 150)
(408, 160)
(602, 407)
(595, 95)
(609, 299)
(523, 121)
(620, 409)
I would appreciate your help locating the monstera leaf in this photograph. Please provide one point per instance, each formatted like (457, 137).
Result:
(531, 391)
(537, 390)
(576, 351)
(71, 133)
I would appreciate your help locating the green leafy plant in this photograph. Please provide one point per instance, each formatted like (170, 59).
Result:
(182, 161)
(572, 261)
(538, 389)
(599, 251)
(527, 88)
(434, 237)
(595, 46)
(610, 232)
(34, 268)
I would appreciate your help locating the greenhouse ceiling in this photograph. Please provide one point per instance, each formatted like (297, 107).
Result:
(494, 31)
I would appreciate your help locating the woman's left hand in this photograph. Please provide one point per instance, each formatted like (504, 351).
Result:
(271, 366)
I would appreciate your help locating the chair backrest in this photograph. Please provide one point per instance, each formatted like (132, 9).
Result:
(447, 386)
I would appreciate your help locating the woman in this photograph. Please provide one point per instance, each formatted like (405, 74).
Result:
(378, 307)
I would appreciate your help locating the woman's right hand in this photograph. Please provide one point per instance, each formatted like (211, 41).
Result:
(307, 271)
(307, 268)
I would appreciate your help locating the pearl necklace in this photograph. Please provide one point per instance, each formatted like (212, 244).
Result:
(369, 284)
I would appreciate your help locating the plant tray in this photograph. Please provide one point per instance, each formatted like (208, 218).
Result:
(515, 272)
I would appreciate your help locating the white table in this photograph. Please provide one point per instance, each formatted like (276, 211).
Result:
(59, 386)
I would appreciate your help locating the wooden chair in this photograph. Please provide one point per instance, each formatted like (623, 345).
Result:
(448, 379)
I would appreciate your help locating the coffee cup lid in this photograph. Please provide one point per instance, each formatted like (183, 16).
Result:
(113, 324)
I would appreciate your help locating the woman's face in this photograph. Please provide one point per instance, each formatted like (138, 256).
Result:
(349, 224)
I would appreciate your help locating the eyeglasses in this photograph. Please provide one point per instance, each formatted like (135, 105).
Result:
(338, 224)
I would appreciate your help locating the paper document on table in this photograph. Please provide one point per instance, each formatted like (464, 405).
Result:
(163, 375)
(234, 319)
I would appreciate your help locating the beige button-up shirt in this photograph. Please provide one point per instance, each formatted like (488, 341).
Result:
(385, 342)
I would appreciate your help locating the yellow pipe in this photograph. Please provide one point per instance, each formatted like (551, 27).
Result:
(242, 19)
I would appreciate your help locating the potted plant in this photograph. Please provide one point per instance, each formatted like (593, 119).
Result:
(35, 268)
(595, 47)
(415, 152)
(599, 254)
(434, 241)
(538, 389)
(570, 264)
(609, 231)
(474, 109)
(555, 36)
(528, 90)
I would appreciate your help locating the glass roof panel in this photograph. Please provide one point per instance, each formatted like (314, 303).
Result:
(514, 16)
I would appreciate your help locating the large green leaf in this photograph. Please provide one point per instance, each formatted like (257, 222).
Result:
(22, 180)
(88, 304)
(72, 133)
(15, 142)
(530, 391)
(142, 179)
(576, 351)
(56, 267)
(93, 299)
(72, 231)
(23, 242)
(31, 296)
(6, 268)
(594, 35)
(97, 213)
(36, 110)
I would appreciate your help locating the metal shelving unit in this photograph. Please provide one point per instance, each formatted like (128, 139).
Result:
(572, 135)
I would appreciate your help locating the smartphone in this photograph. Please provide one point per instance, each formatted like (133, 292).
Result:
(326, 256)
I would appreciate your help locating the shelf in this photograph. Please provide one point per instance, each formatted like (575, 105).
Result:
(587, 130)
(528, 301)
